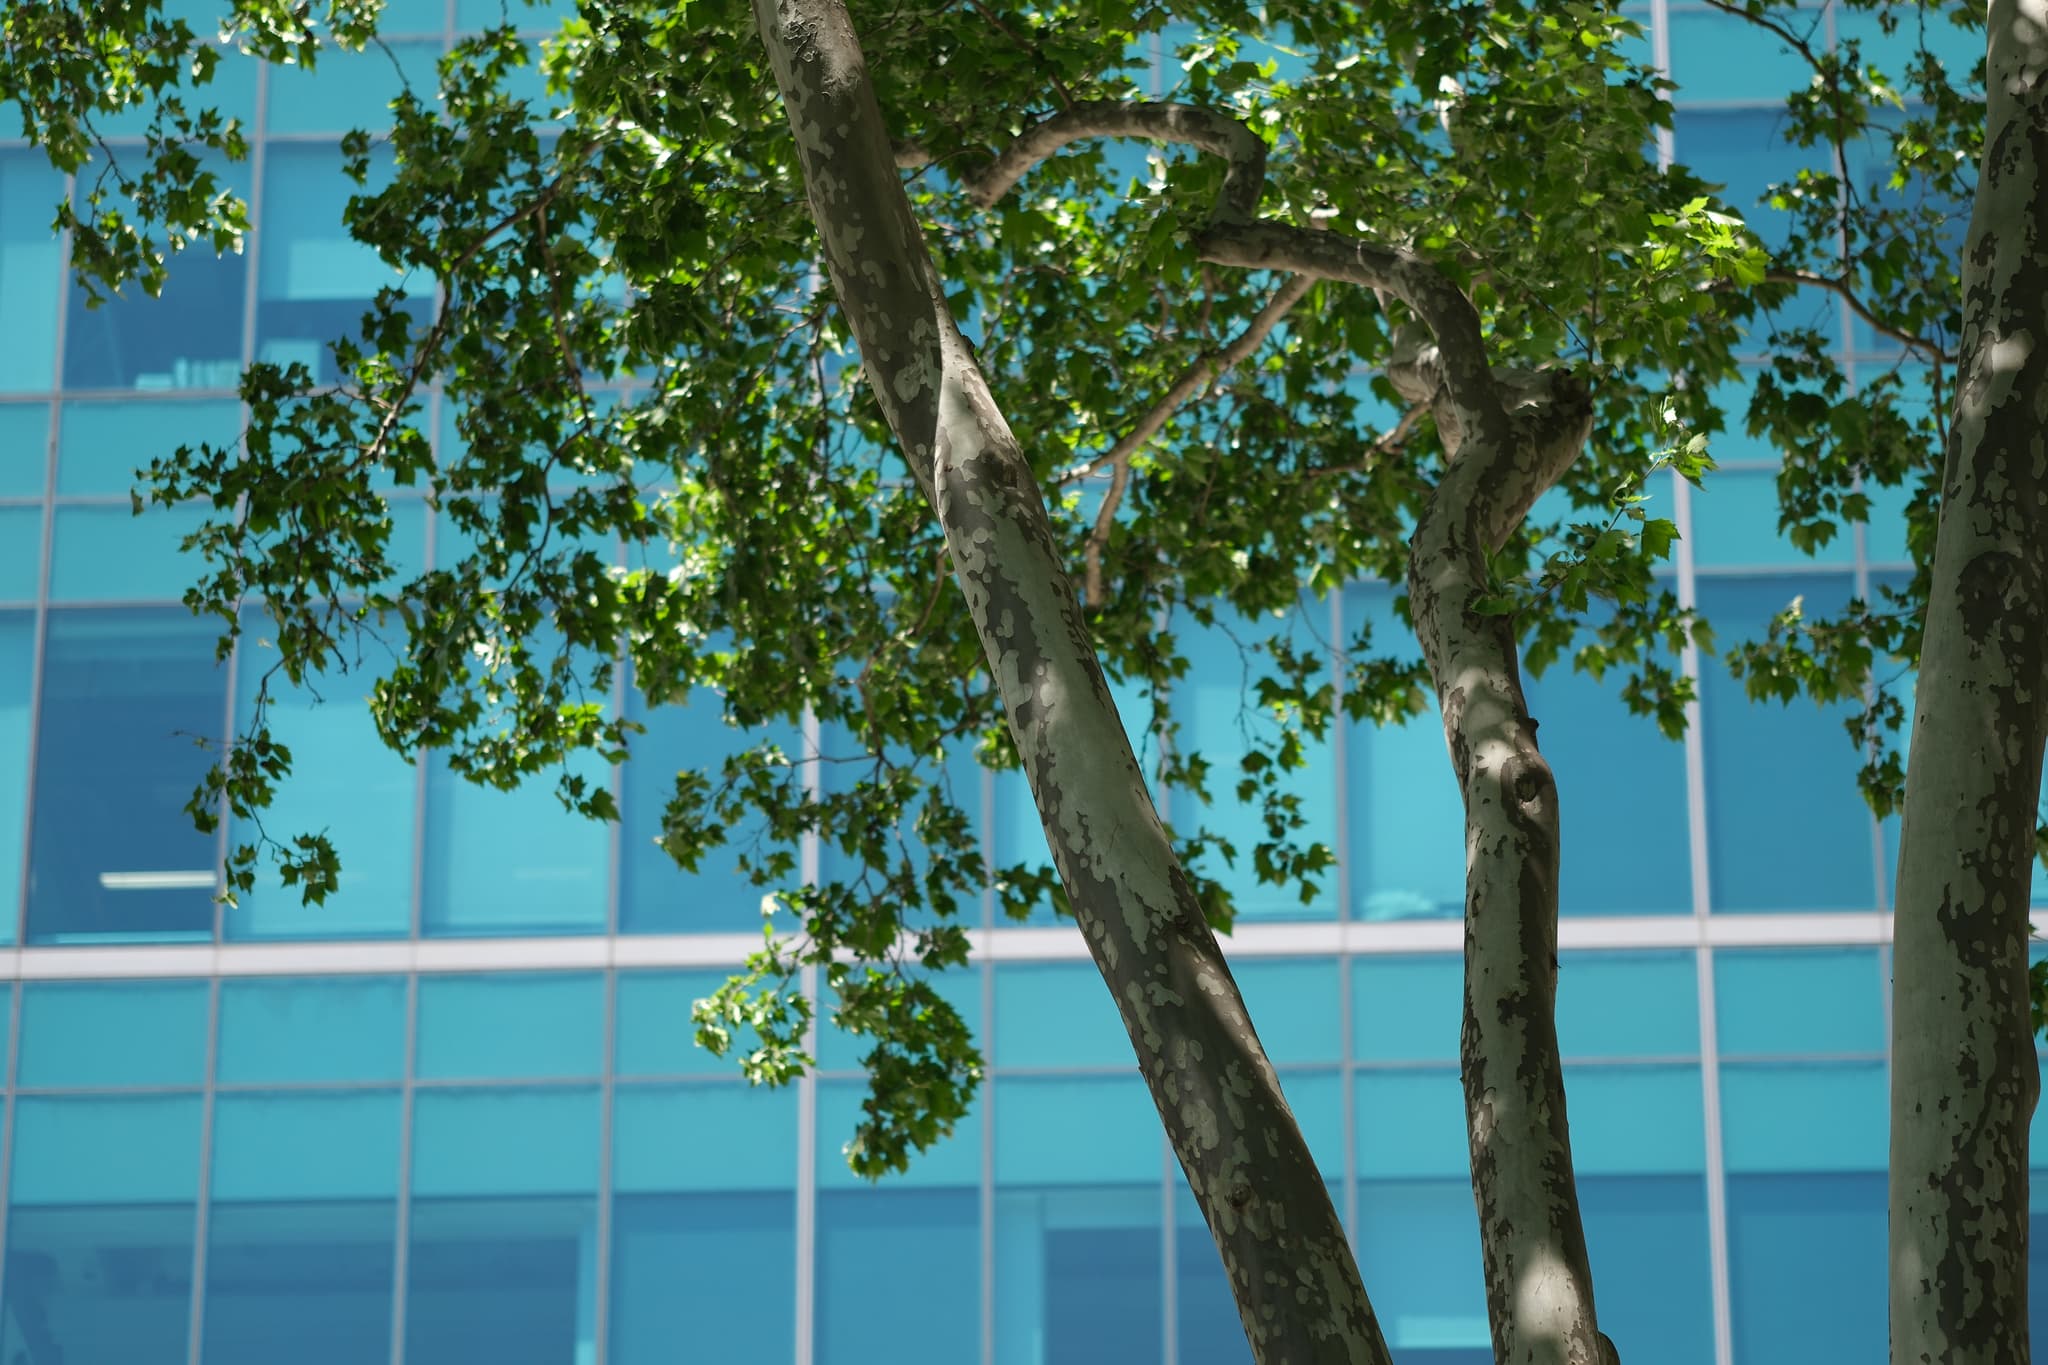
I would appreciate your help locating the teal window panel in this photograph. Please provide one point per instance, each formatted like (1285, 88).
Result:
(31, 269)
(1407, 1008)
(1057, 1014)
(1798, 1000)
(347, 90)
(1719, 56)
(1735, 522)
(526, 15)
(1411, 1126)
(656, 1036)
(21, 553)
(106, 553)
(512, 862)
(1079, 1273)
(953, 1161)
(1613, 1004)
(1646, 1236)
(1786, 827)
(308, 1283)
(506, 1026)
(123, 692)
(1317, 1100)
(1636, 1120)
(1959, 48)
(1806, 1266)
(713, 1270)
(17, 682)
(309, 1029)
(102, 445)
(1126, 1144)
(959, 987)
(1216, 705)
(106, 1150)
(505, 1143)
(1407, 819)
(107, 1033)
(1418, 1247)
(709, 1137)
(1804, 1119)
(507, 1279)
(404, 17)
(300, 1147)
(232, 91)
(1885, 537)
(345, 783)
(887, 1255)
(24, 446)
(1295, 1005)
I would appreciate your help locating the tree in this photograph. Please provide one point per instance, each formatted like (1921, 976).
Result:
(1543, 306)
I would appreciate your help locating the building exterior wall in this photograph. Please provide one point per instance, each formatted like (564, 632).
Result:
(455, 1116)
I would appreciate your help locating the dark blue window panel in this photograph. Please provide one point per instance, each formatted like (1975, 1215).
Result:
(103, 552)
(24, 449)
(1638, 860)
(1744, 150)
(1786, 827)
(124, 692)
(1806, 1267)
(347, 90)
(1628, 1004)
(296, 1029)
(1647, 1237)
(512, 1281)
(1406, 1008)
(1407, 820)
(511, 1025)
(101, 1228)
(512, 862)
(188, 337)
(101, 445)
(17, 673)
(1798, 1000)
(706, 1277)
(656, 896)
(94, 1033)
(889, 1255)
(31, 270)
(1418, 1248)
(1057, 1014)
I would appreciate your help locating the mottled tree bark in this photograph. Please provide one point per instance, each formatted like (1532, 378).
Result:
(1964, 1077)
(1290, 1267)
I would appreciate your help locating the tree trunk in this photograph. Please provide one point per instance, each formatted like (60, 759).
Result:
(1290, 1266)
(1964, 1077)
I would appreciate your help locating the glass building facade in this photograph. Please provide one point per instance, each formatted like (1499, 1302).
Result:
(455, 1114)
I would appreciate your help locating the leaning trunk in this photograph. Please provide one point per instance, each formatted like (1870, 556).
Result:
(1964, 1077)
(1290, 1266)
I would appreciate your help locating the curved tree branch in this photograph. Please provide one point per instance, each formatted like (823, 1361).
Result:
(1205, 129)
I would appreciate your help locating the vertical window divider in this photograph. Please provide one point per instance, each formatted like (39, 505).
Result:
(1347, 1074)
(12, 1070)
(195, 1324)
(985, 965)
(806, 1285)
(607, 1090)
(401, 1250)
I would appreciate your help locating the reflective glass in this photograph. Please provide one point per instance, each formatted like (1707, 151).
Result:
(1217, 707)
(1407, 820)
(1745, 151)
(103, 552)
(1786, 827)
(1717, 56)
(188, 337)
(21, 552)
(1207, 1329)
(502, 1262)
(24, 449)
(1806, 1266)
(1735, 522)
(545, 15)
(300, 1246)
(1959, 48)
(94, 1033)
(101, 1228)
(656, 896)
(703, 1224)
(17, 680)
(1790, 1117)
(1628, 1004)
(1294, 1005)
(113, 853)
(312, 1029)
(1411, 1125)
(316, 281)
(345, 783)
(347, 90)
(1417, 1232)
(101, 445)
(1057, 1014)
(1639, 860)
(1406, 1008)
(1798, 1000)
(412, 16)
(31, 273)
(1079, 1272)
(512, 862)
(501, 1026)
(1647, 1238)
(655, 1034)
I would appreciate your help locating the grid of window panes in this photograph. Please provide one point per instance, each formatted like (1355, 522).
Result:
(308, 1160)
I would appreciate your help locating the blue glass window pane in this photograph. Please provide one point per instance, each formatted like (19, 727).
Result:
(411, 16)
(304, 1282)
(123, 692)
(188, 337)
(512, 862)
(305, 1029)
(1958, 48)
(24, 449)
(1717, 56)
(485, 1144)
(1294, 1005)
(704, 1246)
(1801, 1000)
(655, 1034)
(1647, 1237)
(511, 1281)
(316, 281)
(1407, 821)
(544, 15)
(105, 553)
(1735, 522)
(1217, 708)
(1411, 1125)
(21, 552)
(1792, 1118)
(1640, 861)
(89, 1033)
(351, 90)
(954, 1161)
(1125, 1146)
(17, 675)
(1786, 827)
(100, 446)
(1406, 1008)
(1636, 1120)
(1317, 1099)
(101, 1229)
(1057, 1014)
(1744, 150)
(1806, 1267)
(1418, 1247)
(888, 1255)
(31, 270)
(1628, 1005)
(306, 1147)
(503, 1026)
(656, 896)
